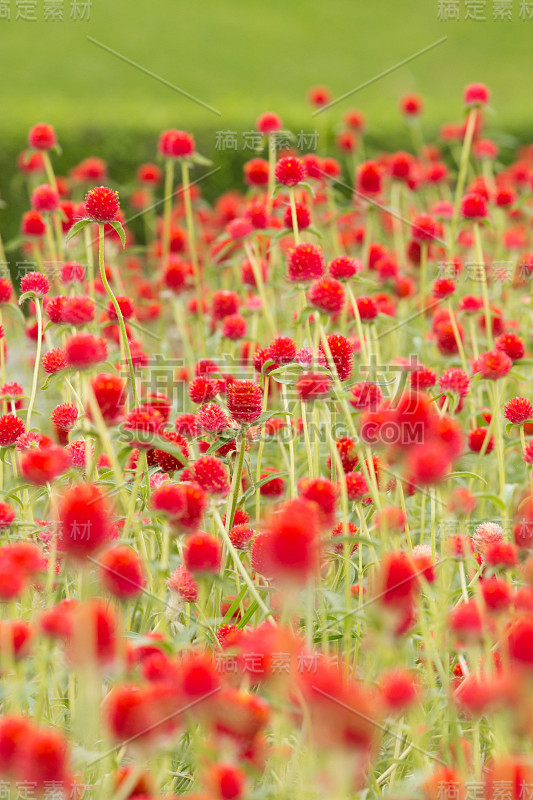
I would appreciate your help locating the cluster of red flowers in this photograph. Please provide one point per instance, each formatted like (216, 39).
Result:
(266, 473)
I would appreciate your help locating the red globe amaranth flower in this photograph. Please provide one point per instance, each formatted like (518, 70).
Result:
(476, 94)
(512, 345)
(182, 582)
(424, 229)
(110, 394)
(42, 464)
(369, 178)
(85, 521)
(268, 123)
(303, 216)
(493, 365)
(11, 427)
(184, 504)
(83, 350)
(142, 424)
(319, 96)
(234, 327)
(339, 357)
(291, 544)
(169, 462)
(343, 268)
(33, 224)
(44, 198)
(6, 290)
(256, 172)
(176, 144)
(455, 381)
(411, 105)
(102, 204)
(474, 206)
(443, 287)
(122, 572)
(245, 401)
(476, 440)
(77, 310)
(327, 294)
(323, 493)
(305, 262)
(290, 171)
(35, 282)
(202, 553)
(211, 474)
(42, 137)
(312, 386)
(518, 410)
(282, 350)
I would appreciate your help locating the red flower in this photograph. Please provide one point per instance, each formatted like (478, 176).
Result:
(474, 206)
(313, 386)
(322, 492)
(241, 535)
(102, 204)
(492, 365)
(110, 394)
(269, 122)
(202, 553)
(245, 400)
(122, 572)
(203, 389)
(212, 418)
(340, 355)
(142, 424)
(327, 294)
(182, 582)
(84, 350)
(291, 544)
(305, 262)
(42, 464)
(85, 520)
(319, 96)
(512, 345)
(282, 350)
(78, 310)
(176, 144)
(476, 94)
(518, 410)
(369, 175)
(33, 224)
(366, 395)
(290, 171)
(11, 427)
(424, 228)
(344, 267)
(411, 105)
(455, 381)
(234, 327)
(256, 172)
(184, 504)
(167, 461)
(44, 198)
(35, 282)
(42, 137)
(6, 290)
(211, 475)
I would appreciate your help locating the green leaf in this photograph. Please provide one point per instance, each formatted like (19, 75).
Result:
(77, 227)
(249, 614)
(466, 475)
(252, 489)
(26, 296)
(15, 310)
(197, 158)
(493, 498)
(235, 605)
(117, 227)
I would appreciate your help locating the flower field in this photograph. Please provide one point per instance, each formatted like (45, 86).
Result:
(266, 494)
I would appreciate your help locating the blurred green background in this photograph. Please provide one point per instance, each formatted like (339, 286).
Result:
(244, 57)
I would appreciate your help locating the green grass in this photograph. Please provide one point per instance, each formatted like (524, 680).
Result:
(246, 56)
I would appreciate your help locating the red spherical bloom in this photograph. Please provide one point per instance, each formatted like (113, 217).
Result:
(344, 267)
(274, 487)
(122, 573)
(176, 144)
(291, 546)
(512, 345)
(443, 287)
(493, 365)
(303, 216)
(399, 690)
(102, 204)
(340, 355)
(400, 165)
(476, 440)
(319, 96)
(411, 105)
(323, 492)
(269, 122)
(85, 521)
(54, 308)
(42, 464)
(313, 386)
(202, 553)
(520, 640)
(397, 579)
(12, 393)
(84, 350)
(182, 582)
(54, 361)
(474, 206)
(245, 401)
(6, 290)
(142, 424)
(7, 515)
(224, 303)
(256, 172)
(424, 229)
(169, 462)
(466, 621)
(64, 416)
(211, 474)
(11, 427)
(110, 394)
(126, 307)
(77, 310)
(367, 308)
(422, 378)
(518, 410)
(42, 137)
(35, 282)
(149, 174)
(212, 418)
(428, 463)
(455, 381)
(44, 198)
(290, 171)
(241, 535)
(239, 228)
(305, 263)
(234, 327)
(202, 389)
(366, 395)
(72, 272)
(327, 294)
(369, 175)
(33, 224)
(500, 554)
(347, 453)
(282, 350)
(476, 94)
